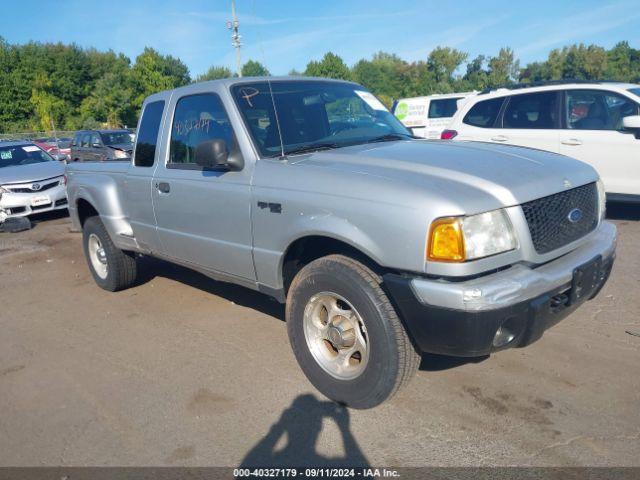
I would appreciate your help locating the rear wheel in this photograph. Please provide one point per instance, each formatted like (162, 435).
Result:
(346, 334)
(112, 269)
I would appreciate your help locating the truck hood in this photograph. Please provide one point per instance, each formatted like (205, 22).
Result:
(31, 173)
(469, 173)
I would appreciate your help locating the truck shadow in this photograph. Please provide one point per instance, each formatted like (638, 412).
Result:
(150, 268)
(622, 211)
(431, 362)
(292, 440)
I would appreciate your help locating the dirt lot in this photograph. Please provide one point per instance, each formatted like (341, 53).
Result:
(181, 370)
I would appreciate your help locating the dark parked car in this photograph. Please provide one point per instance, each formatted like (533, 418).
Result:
(101, 145)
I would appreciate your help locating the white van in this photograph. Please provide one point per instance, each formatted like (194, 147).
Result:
(428, 116)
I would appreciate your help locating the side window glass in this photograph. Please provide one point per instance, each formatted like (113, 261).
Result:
(198, 118)
(597, 110)
(443, 108)
(95, 139)
(148, 135)
(532, 111)
(484, 113)
(85, 140)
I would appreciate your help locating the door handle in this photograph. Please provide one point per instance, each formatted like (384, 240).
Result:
(163, 187)
(500, 138)
(572, 141)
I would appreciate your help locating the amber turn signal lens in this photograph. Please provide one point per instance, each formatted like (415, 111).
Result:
(446, 243)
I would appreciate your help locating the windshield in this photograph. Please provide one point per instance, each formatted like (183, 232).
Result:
(313, 115)
(16, 155)
(635, 91)
(115, 138)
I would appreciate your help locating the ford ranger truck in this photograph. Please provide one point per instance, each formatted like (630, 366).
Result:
(381, 245)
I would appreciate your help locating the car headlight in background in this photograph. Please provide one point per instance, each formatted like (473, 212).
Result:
(457, 239)
(602, 199)
(120, 154)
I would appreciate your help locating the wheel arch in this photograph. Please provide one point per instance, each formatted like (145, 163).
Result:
(306, 248)
(84, 210)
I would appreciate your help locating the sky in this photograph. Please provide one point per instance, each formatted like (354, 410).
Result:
(287, 34)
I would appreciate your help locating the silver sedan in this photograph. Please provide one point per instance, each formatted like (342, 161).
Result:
(31, 181)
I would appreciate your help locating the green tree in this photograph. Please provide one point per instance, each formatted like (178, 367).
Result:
(75, 87)
(110, 102)
(48, 108)
(153, 72)
(254, 69)
(214, 73)
(620, 62)
(476, 76)
(504, 69)
(443, 61)
(584, 63)
(331, 66)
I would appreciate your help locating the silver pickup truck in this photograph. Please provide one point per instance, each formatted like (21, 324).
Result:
(382, 246)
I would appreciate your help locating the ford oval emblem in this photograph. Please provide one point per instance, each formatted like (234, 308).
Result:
(35, 187)
(575, 215)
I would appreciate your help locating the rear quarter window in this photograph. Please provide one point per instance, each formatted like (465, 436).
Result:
(484, 114)
(443, 108)
(532, 111)
(148, 134)
(147, 140)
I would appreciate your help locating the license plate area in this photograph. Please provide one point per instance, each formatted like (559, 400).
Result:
(586, 278)
(40, 200)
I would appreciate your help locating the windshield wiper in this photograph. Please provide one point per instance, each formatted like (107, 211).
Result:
(389, 137)
(313, 147)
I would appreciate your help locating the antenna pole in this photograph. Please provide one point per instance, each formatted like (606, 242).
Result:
(235, 36)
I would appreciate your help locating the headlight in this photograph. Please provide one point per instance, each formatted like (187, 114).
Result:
(3, 190)
(457, 239)
(120, 154)
(602, 199)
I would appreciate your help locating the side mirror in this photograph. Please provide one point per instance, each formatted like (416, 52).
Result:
(632, 124)
(215, 154)
(96, 145)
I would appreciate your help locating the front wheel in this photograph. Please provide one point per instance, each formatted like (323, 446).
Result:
(112, 269)
(346, 334)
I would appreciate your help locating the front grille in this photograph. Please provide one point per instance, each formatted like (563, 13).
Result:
(44, 187)
(549, 222)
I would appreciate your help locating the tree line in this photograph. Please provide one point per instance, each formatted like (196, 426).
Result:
(45, 86)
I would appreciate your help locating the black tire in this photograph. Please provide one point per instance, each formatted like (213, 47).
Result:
(121, 265)
(392, 360)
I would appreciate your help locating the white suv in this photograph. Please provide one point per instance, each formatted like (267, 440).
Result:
(598, 123)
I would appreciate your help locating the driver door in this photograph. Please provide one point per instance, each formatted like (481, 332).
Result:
(203, 215)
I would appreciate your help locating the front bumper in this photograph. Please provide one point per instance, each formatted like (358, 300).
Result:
(463, 318)
(23, 204)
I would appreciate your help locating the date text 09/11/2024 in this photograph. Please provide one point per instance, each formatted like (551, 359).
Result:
(273, 472)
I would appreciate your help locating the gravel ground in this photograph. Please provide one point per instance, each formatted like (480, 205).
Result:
(181, 370)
